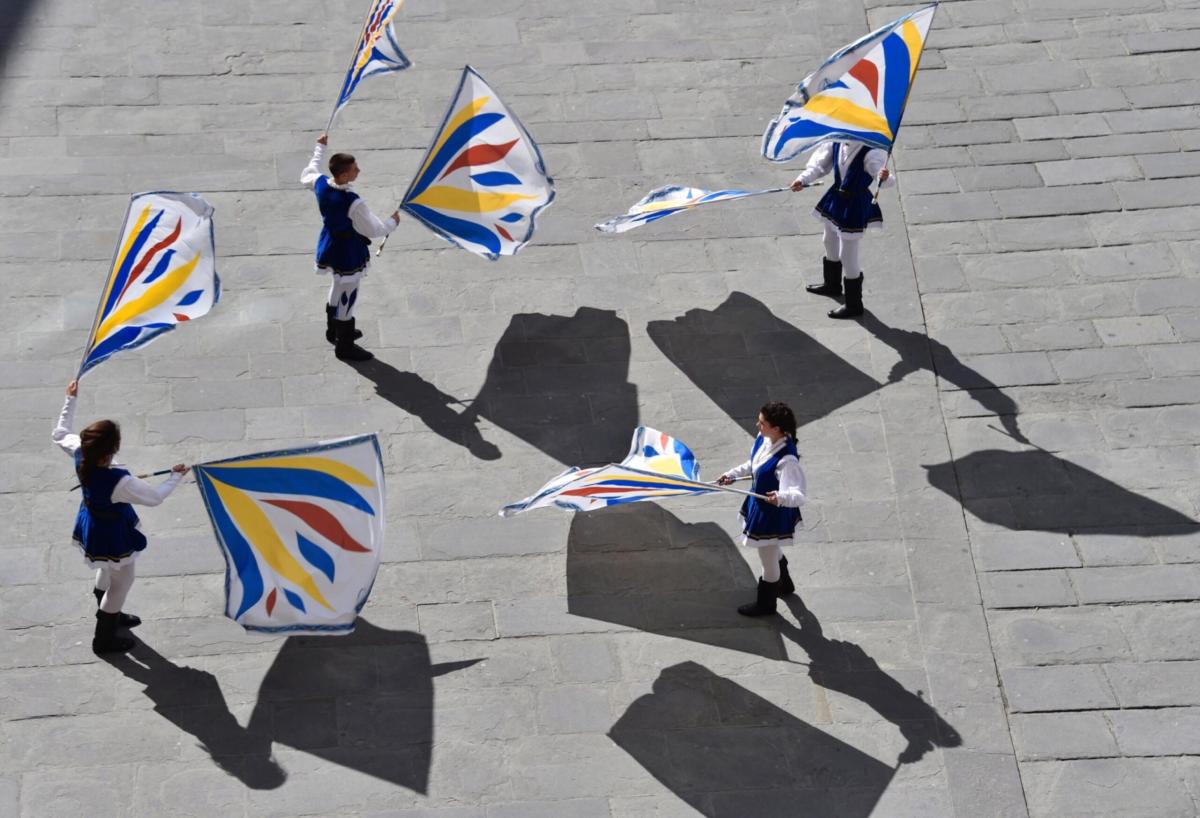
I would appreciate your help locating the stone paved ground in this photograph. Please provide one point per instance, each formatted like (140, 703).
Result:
(989, 626)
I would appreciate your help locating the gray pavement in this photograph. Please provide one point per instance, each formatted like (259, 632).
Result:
(988, 627)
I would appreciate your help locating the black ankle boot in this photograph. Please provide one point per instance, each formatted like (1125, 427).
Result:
(331, 329)
(786, 586)
(346, 349)
(106, 639)
(852, 307)
(832, 285)
(125, 620)
(764, 604)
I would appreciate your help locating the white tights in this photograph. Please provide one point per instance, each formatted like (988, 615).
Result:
(115, 581)
(343, 294)
(844, 249)
(770, 555)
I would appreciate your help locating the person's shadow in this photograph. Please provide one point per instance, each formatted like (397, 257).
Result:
(846, 668)
(363, 701)
(742, 355)
(918, 351)
(561, 383)
(417, 396)
(640, 566)
(730, 753)
(191, 699)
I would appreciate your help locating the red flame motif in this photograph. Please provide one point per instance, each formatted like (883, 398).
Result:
(479, 155)
(322, 522)
(150, 254)
(271, 602)
(867, 73)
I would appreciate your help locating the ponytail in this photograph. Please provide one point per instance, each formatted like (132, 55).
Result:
(97, 442)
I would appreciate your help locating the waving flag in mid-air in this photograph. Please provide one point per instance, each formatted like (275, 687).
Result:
(301, 531)
(483, 182)
(164, 272)
(858, 94)
(667, 201)
(657, 466)
(377, 51)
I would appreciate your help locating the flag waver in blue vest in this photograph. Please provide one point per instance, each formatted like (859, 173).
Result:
(850, 109)
(347, 228)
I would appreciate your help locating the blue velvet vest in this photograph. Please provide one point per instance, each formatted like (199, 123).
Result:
(764, 521)
(106, 531)
(849, 203)
(339, 246)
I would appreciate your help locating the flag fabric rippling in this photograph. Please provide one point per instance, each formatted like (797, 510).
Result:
(483, 181)
(163, 273)
(301, 531)
(858, 94)
(377, 52)
(667, 201)
(657, 466)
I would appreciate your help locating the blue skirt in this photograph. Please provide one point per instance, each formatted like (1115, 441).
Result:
(850, 212)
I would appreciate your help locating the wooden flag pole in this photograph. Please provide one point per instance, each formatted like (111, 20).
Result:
(143, 476)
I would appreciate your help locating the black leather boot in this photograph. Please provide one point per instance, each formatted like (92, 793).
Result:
(764, 604)
(106, 639)
(786, 586)
(832, 285)
(330, 321)
(346, 349)
(852, 307)
(124, 620)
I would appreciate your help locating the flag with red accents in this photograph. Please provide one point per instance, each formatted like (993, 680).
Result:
(482, 183)
(163, 273)
(301, 531)
(858, 94)
(657, 466)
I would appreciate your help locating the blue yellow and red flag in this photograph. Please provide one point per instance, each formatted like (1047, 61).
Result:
(377, 51)
(657, 466)
(301, 531)
(163, 273)
(667, 201)
(858, 94)
(483, 181)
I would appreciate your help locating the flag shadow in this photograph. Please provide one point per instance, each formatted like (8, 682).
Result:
(1034, 490)
(362, 701)
(561, 383)
(722, 748)
(640, 566)
(16, 13)
(742, 355)
(419, 397)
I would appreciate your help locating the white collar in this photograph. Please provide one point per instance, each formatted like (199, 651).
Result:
(336, 186)
(764, 452)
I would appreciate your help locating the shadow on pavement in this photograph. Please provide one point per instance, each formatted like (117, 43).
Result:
(561, 383)
(918, 351)
(846, 668)
(640, 566)
(11, 25)
(741, 355)
(730, 753)
(419, 397)
(1038, 491)
(362, 701)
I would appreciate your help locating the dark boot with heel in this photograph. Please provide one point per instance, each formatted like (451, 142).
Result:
(764, 603)
(124, 620)
(106, 639)
(331, 325)
(346, 349)
(786, 586)
(852, 307)
(832, 285)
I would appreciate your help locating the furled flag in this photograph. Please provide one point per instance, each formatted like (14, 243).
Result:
(657, 466)
(667, 201)
(482, 183)
(377, 51)
(858, 94)
(163, 273)
(301, 531)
